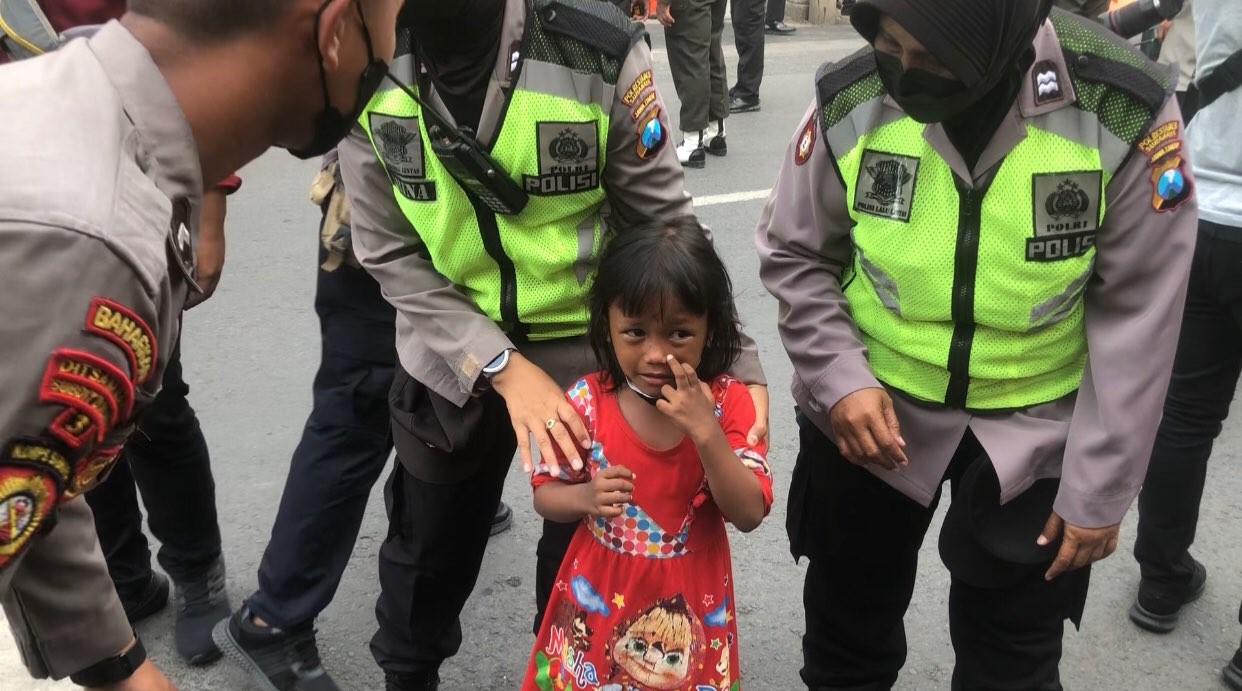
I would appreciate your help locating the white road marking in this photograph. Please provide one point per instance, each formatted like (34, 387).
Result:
(731, 197)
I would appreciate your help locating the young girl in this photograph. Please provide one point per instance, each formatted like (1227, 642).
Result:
(644, 597)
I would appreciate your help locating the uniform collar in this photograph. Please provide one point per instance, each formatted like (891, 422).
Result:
(167, 147)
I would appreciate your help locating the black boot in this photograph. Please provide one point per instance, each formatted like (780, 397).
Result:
(411, 681)
(1157, 609)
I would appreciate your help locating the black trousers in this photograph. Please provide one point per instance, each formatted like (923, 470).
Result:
(748, 20)
(440, 509)
(863, 539)
(696, 59)
(776, 11)
(167, 458)
(1205, 375)
(344, 448)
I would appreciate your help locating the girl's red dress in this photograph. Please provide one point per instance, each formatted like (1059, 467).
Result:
(645, 600)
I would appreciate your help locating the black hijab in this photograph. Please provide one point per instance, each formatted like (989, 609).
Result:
(986, 44)
(457, 41)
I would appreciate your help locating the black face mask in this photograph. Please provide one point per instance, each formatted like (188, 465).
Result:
(925, 97)
(331, 125)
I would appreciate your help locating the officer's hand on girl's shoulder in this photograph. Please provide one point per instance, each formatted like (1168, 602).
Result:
(1079, 546)
(867, 430)
(690, 404)
(538, 408)
(609, 491)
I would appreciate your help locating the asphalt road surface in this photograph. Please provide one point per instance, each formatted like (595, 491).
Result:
(251, 352)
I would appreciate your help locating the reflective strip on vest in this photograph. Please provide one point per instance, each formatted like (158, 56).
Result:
(1035, 246)
(553, 142)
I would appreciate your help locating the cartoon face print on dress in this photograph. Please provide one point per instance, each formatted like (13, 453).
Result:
(657, 648)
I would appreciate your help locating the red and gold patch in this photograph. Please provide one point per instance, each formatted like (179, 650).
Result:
(27, 498)
(75, 428)
(89, 369)
(88, 398)
(641, 109)
(92, 470)
(124, 327)
(1158, 136)
(806, 143)
(637, 87)
(41, 455)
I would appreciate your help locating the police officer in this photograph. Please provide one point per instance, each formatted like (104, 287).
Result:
(96, 278)
(979, 240)
(488, 284)
(169, 460)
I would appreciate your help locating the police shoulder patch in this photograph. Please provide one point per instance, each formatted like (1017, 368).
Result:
(75, 428)
(651, 135)
(92, 370)
(806, 142)
(92, 469)
(41, 454)
(27, 498)
(640, 84)
(1163, 148)
(122, 326)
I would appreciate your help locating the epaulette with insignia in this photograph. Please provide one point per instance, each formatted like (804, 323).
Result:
(1111, 78)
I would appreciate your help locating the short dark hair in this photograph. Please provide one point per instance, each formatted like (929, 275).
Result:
(665, 259)
(212, 19)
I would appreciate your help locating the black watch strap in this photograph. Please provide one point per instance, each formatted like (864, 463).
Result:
(114, 669)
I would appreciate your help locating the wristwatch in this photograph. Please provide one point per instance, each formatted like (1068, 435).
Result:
(497, 364)
(114, 669)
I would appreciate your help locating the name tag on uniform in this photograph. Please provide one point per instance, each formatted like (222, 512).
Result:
(400, 147)
(1066, 215)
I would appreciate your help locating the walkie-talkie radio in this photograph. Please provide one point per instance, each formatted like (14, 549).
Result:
(468, 161)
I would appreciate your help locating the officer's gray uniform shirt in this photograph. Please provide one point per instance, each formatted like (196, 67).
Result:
(100, 188)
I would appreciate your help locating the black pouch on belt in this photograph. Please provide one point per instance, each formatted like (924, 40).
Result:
(432, 434)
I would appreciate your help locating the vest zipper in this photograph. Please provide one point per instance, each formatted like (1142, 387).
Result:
(489, 231)
(965, 266)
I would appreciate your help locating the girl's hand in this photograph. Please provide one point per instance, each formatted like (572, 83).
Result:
(690, 405)
(609, 491)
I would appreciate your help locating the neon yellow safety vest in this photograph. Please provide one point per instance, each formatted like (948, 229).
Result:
(528, 272)
(971, 295)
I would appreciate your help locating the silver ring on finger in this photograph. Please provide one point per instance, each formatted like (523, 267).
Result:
(550, 423)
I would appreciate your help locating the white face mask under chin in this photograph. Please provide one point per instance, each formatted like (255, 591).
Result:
(642, 394)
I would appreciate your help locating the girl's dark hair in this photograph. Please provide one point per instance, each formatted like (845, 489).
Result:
(665, 259)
